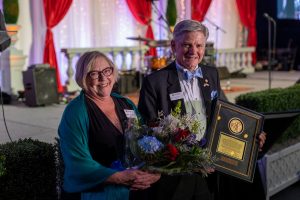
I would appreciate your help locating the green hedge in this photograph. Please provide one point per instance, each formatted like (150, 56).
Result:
(2, 168)
(30, 170)
(275, 100)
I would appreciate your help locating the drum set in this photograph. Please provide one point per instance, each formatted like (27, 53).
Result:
(163, 49)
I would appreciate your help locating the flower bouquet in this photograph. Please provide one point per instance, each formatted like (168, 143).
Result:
(168, 147)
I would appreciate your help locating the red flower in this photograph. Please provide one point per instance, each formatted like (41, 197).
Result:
(181, 134)
(172, 152)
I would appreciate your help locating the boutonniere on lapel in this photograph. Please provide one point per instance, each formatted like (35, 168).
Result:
(206, 84)
(213, 94)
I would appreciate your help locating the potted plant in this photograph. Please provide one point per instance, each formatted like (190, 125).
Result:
(11, 11)
(11, 15)
(171, 14)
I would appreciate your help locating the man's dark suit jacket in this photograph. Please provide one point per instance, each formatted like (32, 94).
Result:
(154, 97)
(157, 87)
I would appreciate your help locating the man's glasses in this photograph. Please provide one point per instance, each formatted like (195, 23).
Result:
(105, 72)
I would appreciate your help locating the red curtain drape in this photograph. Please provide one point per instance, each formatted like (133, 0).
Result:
(247, 12)
(141, 10)
(199, 9)
(54, 10)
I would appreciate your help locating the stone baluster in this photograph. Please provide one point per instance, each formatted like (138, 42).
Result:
(133, 59)
(71, 83)
(112, 52)
(114, 56)
(248, 67)
(249, 59)
(123, 65)
(142, 67)
(244, 60)
(238, 60)
(220, 57)
(227, 60)
(232, 61)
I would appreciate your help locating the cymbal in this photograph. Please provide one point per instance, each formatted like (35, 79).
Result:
(139, 38)
(159, 43)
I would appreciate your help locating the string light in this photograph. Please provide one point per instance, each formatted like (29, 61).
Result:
(183, 9)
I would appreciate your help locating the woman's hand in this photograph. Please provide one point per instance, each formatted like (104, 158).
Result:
(136, 179)
(144, 180)
(126, 177)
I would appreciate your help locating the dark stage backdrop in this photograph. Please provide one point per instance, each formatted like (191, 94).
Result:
(288, 34)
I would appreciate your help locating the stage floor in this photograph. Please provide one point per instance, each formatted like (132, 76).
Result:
(41, 122)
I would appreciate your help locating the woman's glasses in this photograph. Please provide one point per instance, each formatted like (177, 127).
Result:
(105, 72)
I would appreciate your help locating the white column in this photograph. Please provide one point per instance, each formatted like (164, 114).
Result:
(16, 59)
(5, 72)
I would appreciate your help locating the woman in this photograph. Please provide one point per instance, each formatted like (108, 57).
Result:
(91, 134)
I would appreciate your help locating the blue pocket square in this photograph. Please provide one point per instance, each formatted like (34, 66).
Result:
(213, 94)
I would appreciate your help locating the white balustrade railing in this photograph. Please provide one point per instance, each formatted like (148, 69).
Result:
(132, 58)
(236, 60)
(126, 58)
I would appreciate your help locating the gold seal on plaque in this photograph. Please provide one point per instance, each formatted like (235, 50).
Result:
(236, 126)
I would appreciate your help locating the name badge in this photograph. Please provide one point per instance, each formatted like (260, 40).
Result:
(176, 96)
(130, 113)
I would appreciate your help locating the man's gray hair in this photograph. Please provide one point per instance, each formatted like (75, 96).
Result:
(189, 25)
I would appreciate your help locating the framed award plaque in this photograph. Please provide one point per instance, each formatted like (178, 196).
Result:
(233, 139)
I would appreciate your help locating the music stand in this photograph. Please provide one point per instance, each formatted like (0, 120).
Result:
(275, 124)
(218, 28)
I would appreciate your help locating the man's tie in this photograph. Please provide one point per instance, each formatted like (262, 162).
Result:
(190, 75)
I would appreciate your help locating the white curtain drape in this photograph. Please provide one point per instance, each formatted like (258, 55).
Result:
(225, 15)
(222, 13)
(38, 32)
(102, 23)
(97, 23)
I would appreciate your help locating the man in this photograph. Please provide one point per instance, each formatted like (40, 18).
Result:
(186, 81)
(197, 87)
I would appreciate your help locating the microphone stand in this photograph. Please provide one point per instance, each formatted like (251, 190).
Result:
(217, 29)
(274, 39)
(157, 11)
(271, 51)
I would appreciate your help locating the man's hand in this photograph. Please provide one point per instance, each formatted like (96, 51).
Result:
(261, 140)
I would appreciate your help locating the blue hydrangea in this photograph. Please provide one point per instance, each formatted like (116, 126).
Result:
(149, 144)
(202, 142)
(191, 139)
(117, 165)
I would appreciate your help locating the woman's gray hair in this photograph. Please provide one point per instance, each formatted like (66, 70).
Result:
(189, 25)
(84, 66)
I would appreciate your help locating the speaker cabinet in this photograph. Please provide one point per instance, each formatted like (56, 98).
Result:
(223, 73)
(128, 82)
(40, 86)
